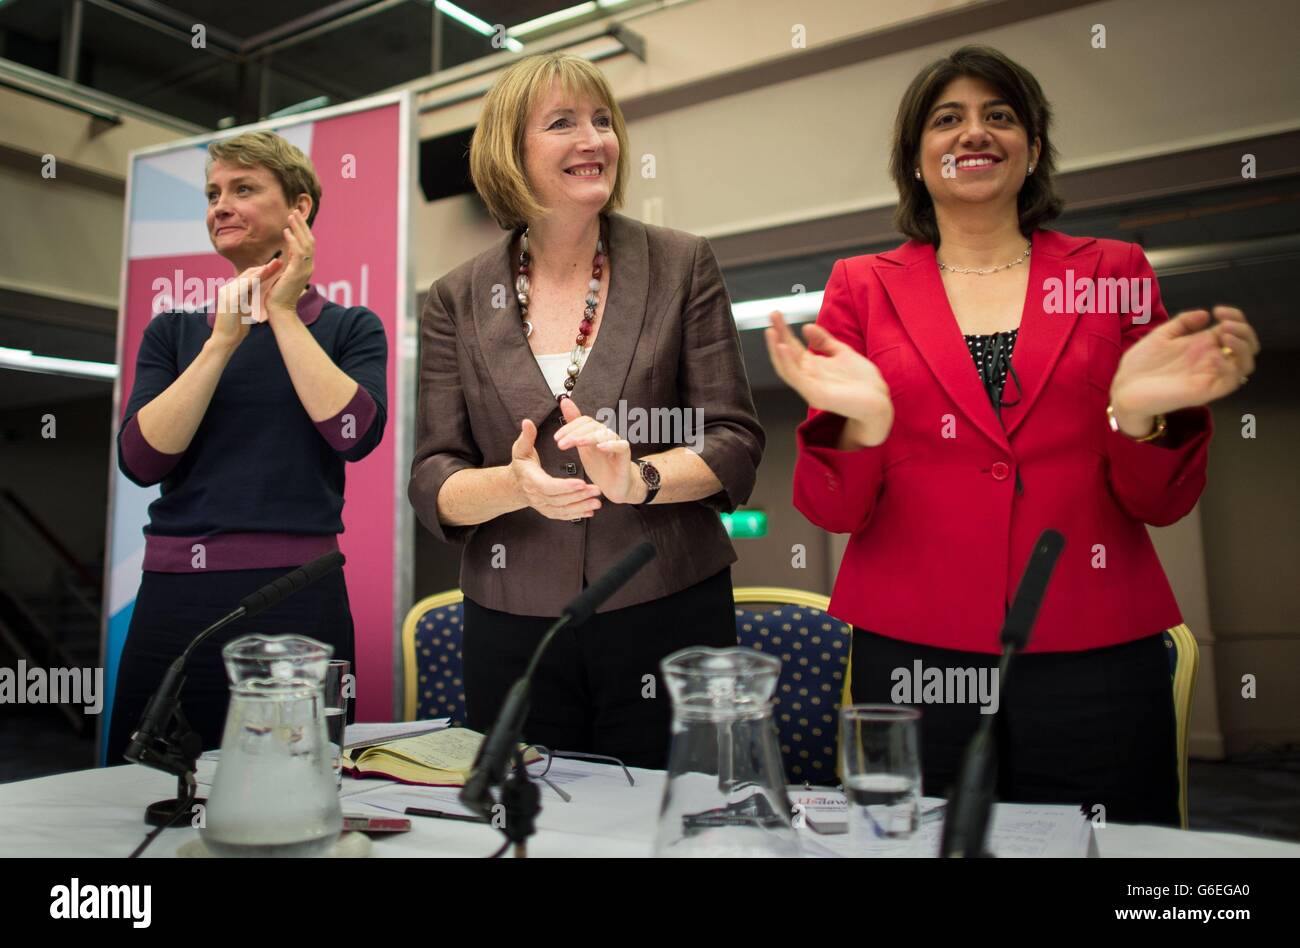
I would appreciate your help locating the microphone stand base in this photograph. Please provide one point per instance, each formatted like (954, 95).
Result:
(164, 812)
(522, 802)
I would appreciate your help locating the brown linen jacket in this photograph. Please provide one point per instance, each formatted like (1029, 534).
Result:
(668, 341)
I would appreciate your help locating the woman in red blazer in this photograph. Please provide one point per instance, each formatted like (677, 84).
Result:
(983, 382)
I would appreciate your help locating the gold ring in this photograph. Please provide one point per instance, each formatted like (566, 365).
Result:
(1226, 351)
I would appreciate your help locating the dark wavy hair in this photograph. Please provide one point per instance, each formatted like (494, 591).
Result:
(1038, 201)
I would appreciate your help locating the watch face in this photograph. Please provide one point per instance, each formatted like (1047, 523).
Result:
(650, 474)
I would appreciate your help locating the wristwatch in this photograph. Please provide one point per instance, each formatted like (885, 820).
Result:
(649, 474)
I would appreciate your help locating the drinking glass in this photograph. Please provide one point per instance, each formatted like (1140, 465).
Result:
(880, 765)
(336, 712)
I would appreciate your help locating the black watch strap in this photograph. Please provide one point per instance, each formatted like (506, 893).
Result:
(650, 475)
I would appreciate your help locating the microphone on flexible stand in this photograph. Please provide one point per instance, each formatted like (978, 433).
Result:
(163, 739)
(970, 804)
(500, 747)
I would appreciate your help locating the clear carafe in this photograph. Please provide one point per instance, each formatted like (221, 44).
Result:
(725, 794)
(274, 793)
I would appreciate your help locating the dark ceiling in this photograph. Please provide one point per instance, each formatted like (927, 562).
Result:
(150, 66)
(248, 18)
(256, 60)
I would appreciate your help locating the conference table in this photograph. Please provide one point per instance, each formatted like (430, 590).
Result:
(99, 813)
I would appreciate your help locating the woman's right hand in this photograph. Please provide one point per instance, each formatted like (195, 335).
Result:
(552, 497)
(833, 377)
(232, 322)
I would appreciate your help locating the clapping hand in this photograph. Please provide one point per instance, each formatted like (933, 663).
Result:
(833, 377)
(552, 497)
(1183, 363)
(280, 295)
(606, 456)
(231, 324)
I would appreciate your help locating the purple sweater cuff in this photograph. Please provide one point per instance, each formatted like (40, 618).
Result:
(145, 461)
(345, 430)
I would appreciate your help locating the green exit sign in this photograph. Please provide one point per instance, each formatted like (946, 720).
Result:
(745, 524)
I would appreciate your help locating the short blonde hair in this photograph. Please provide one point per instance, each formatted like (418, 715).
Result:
(496, 151)
(283, 159)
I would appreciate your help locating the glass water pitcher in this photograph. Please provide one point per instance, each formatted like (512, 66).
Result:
(725, 794)
(274, 793)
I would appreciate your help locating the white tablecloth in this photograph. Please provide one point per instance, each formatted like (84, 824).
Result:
(100, 812)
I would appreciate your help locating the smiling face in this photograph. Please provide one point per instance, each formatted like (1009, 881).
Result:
(972, 122)
(247, 213)
(571, 151)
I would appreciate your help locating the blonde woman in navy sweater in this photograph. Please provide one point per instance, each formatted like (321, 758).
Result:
(247, 425)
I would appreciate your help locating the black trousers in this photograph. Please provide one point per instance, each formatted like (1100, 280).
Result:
(1090, 727)
(591, 692)
(172, 608)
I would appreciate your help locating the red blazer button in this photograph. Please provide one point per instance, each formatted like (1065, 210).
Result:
(1000, 470)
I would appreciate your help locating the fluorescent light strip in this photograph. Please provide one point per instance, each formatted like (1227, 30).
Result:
(563, 16)
(796, 308)
(25, 361)
(482, 27)
(307, 105)
(550, 19)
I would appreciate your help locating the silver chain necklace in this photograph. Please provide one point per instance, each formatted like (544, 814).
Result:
(1006, 266)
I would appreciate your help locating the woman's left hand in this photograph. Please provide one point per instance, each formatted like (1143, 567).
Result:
(1183, 363)
(281, 294)
(606, 457)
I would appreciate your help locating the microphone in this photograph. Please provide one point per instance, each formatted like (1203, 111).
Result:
(270, 594)
(147, 746)
(1029, 594)
(587, 601)
(502, 740)
(163, 739)
(970, 804)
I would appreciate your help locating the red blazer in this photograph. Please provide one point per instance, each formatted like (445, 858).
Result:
(940, 534)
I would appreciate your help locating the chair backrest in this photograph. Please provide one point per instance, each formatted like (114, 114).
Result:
(814, 650)
(1184, 663)
(432, 659)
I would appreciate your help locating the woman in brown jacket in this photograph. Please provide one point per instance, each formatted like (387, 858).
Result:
(581, 390)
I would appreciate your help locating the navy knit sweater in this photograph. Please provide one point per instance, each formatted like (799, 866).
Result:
(258, 468)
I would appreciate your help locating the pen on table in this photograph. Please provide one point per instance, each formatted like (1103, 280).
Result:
(934, 813)
(440, 815)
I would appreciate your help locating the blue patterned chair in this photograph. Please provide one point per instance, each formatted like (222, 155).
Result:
(431, 659)
(1184, 662)
(813, 647)
(814, 651)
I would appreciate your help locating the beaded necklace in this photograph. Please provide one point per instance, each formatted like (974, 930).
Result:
(523, 287)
